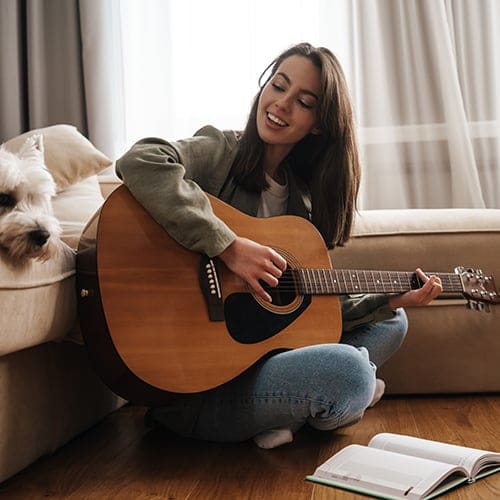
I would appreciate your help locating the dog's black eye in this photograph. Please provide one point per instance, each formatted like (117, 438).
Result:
(7, 200)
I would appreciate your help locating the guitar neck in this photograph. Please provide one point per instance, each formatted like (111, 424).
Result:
(349, 281)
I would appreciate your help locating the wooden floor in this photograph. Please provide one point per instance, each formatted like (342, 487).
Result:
(121, 459)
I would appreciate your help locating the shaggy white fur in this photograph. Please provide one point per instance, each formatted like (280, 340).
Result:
(28, 230)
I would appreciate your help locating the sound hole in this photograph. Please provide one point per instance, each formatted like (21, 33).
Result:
(285, 292)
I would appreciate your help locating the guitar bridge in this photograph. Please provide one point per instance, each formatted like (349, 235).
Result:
(211, 289)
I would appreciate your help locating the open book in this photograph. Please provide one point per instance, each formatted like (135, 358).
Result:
(395, 466)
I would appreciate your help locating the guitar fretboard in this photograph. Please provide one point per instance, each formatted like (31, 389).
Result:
(349, 281)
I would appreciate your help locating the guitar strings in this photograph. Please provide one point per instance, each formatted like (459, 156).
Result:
(300, 280)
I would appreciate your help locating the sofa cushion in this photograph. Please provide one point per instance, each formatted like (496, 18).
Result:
(69, 156)
(74, 206)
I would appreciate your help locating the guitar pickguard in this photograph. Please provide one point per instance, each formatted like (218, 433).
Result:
(248, 322)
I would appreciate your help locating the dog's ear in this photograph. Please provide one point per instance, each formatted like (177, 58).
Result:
(32, 145)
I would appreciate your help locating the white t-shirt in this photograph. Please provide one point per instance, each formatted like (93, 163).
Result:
(273, 201)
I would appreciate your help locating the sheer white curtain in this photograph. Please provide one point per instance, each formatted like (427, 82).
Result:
(103, 78)
(424, 75)
(426, 81)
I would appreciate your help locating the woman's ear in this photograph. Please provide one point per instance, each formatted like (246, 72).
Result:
(316, 131)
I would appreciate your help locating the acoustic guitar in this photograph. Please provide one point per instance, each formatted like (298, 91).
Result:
(159, 319)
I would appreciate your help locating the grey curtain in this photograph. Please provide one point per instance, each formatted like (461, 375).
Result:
(41, 66)
(54, 68)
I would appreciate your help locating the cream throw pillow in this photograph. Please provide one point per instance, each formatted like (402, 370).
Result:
(75, 206)
(69, 156)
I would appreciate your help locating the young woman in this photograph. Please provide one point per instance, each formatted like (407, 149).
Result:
(297, 155)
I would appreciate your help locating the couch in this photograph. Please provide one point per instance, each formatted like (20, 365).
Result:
(49, 393)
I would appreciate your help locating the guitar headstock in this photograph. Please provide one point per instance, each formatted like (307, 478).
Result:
(478, 289)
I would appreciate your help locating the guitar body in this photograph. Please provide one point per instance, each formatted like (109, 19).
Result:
(145, 313)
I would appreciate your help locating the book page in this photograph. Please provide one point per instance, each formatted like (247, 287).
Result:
(434, 450)
(381, 471)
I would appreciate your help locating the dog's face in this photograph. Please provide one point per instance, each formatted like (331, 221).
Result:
(27, 228)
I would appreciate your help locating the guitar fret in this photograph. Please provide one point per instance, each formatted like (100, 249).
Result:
(380, 282)
(335, 277)
(303, 281)
(355, 277)
(391, 282)
(357, 287)
(324, 281)
(309, 280)
(349, 286)
(342, 287)
(312, 281)
(350, 281)
(345, 281)
(408, 279)
(394, 282)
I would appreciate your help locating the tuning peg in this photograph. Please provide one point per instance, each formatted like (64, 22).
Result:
(474, 305)
(485, 307)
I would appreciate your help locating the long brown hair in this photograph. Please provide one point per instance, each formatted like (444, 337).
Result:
(329, 162)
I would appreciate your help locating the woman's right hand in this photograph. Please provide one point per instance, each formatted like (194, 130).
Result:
(253, 262)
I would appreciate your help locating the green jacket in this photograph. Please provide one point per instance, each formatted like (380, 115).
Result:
(169, 180)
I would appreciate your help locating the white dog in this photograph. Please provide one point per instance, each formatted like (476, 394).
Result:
(27, 228)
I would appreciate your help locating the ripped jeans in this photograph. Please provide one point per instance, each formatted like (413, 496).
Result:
(326, 386)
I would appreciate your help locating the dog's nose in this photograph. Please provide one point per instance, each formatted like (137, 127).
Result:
(39, 236)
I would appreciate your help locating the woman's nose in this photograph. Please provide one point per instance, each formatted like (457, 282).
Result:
(284, 102)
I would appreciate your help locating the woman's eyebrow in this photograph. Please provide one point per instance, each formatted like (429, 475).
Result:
(305, 91)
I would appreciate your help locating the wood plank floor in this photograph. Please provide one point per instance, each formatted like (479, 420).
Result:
(121, 459)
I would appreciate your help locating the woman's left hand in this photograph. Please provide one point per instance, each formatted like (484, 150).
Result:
(422, 296)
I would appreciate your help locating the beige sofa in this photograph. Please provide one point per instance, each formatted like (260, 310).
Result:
(49, 393)
(449, 348)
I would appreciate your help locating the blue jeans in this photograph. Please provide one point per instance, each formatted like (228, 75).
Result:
(327, 386)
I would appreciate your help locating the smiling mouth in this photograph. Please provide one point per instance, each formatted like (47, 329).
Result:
(274, 119)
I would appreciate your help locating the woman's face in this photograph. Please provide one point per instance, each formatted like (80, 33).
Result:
(287, 109)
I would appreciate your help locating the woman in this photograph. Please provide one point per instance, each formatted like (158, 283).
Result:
(297, 155)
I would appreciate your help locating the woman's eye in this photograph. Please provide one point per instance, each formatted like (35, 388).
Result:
(278, 87)
(305, 104)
